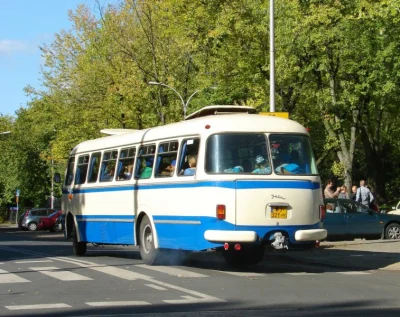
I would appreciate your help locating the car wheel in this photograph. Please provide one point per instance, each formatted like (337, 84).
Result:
(32, 226)
(148, 251)
(393, 231)
(78, 248)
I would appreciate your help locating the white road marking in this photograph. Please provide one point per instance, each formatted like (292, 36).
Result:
(60, 274)
(38, 306)
(6, 277)
(244, 274)
(156, 287)
(121, 273)
(33, 261)
(172, 271)
(204, 297)
(354, 273)
(117, 303)
(118, 272)
(301, 273)
(186, 300)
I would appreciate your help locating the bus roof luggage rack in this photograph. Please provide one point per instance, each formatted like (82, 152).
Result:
(220, 109)
(117, 131)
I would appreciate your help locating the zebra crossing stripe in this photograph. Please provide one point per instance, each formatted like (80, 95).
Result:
(117, 303)
(59, 274)
(244, 274)
(121, 273)
(32, 261)
(6, 277)
(37, 306)
(354, 273)
(172, 271)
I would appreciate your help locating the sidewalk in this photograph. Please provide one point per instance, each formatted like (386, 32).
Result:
(357, 255)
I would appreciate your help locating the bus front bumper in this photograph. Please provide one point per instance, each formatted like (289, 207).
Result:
(310, 234)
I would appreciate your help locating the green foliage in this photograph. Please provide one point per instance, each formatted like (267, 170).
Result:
(337, 72)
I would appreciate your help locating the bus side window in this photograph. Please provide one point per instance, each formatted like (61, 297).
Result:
(70, 171)
(94, 167)
(108, 166)
(81, 169)
(166, 159)
(187, 162)
(145, 161)
(125, 164)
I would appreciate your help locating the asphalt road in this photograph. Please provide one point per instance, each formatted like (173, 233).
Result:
(40, 277)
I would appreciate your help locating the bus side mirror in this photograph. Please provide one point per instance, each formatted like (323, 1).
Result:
(57, 178)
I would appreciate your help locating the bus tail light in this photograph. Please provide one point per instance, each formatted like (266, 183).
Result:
(221, 212)
(322, 212)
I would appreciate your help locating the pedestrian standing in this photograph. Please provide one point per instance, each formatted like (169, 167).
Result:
(329, 192)
(343, 192)
(364, 195)
(354, 192)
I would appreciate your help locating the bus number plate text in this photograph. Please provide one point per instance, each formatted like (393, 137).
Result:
(279, 212)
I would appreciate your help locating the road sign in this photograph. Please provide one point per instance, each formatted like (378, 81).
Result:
(276, 114)
(17, 192)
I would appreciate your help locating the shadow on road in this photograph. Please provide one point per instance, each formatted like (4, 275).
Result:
(361, 256)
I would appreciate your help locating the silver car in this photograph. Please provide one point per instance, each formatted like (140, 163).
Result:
(31, 218)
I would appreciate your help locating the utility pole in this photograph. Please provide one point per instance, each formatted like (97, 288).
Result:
(271, 57)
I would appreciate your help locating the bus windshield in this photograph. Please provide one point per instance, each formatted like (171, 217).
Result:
(241, 153)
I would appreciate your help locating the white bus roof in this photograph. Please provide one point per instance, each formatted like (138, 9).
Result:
(199, 126)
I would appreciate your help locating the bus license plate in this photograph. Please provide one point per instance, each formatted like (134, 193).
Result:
(279, 212)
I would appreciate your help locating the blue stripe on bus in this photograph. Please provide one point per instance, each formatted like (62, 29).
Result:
(174, 232)
(240, 184)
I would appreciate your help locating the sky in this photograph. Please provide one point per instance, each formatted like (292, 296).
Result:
(24, 26)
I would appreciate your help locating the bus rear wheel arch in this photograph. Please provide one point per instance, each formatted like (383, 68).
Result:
(148, 251)
(79, 248)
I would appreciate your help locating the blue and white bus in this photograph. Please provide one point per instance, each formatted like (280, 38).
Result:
(233, 181)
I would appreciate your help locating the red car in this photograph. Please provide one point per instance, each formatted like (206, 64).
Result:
(49, 222)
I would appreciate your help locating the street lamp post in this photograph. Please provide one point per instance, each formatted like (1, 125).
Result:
(52, 177)
(184, 104)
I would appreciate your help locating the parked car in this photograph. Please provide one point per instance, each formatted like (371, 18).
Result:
(60, 222)
(389, 206)
(348, 219)
(20, 219)
(32, 217)
(395, 210)
(49, 222)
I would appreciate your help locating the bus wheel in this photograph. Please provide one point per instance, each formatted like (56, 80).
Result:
(148, 252)
(78, 248)
(246, 257)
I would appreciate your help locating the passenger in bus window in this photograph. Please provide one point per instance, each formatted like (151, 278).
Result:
(109, 173)
(247, 167)
(147, 168)
(291, 166)
(192, 166)
(170, 169)
(262, 166)
(129, 171)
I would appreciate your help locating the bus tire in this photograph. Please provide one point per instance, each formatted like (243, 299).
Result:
(246, 257)
(78, 248)
(148, 251)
